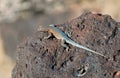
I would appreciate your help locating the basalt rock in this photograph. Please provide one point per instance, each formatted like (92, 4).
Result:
(46, 58)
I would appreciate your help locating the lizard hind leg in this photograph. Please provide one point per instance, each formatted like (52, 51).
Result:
(68, 34)
(65, 45)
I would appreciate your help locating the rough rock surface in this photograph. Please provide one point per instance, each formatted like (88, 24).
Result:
(46, 58)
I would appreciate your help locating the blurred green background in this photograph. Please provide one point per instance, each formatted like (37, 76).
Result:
(19, 19)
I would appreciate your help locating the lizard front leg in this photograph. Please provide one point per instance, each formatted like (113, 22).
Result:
(49, 35)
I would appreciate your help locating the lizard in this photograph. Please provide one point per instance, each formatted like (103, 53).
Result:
(59, 34)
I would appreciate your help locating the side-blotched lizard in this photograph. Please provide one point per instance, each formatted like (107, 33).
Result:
(59, 34)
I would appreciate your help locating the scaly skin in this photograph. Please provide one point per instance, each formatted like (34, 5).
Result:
(64, 37)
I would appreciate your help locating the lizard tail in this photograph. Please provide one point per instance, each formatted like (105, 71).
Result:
(83, 47)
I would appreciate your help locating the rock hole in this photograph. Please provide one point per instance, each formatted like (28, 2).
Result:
(40, 39)
(78, 25)
(71, 58)
(34, 58)
(26, 65)
(77, 35)
(82, 27)
(114, 74)
(105, 74)
(118, 51)
(36, 62)
(99, 14)
(20, 74)
(53, 66)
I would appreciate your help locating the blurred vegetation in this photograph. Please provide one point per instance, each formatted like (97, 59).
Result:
(20, 18)
(15, 9)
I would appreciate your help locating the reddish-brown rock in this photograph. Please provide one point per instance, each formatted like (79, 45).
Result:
(46, 58)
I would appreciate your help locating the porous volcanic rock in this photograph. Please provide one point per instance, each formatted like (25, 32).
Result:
(46, 58)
